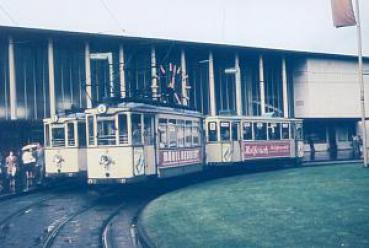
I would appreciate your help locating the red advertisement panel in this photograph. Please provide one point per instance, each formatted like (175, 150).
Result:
(266, 149)
(179, 157)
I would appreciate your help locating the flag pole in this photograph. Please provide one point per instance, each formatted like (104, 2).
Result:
(361, 82)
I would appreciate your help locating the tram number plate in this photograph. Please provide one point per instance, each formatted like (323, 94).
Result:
(178, 157)
(266, 149)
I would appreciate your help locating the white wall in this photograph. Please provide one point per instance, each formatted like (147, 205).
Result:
(327, 88)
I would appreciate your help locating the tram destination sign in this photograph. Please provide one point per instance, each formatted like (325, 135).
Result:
(180, 156)
(266, 149)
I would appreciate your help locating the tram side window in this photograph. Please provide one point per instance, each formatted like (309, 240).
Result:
(247, 131)
(188, 133)
(172, 133)
(195, 133)
(47, 135)
(82, 135)
(70, 131)
(235, 127)
(136, 129)
(106, 132)
(91, 136)
(148, 130)
(58, 136)
(212, 131)
(285, 131)
(274, 131)
(123, 131)
(162, 133)
(180, 133)
(299, 131)
(224, 131)
(260, 131)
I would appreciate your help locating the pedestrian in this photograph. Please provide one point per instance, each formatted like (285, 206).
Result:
(29, 161)
(312, 147)
(39, 163)
(360, 141)
(11, 162)
(355, 146)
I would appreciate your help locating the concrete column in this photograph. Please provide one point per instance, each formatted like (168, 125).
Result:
(122, 76)
(50, 52)
(262, 88)
(88, 76)
(238, 85)
(154, 76)
(212, 86)
(284, 88)
(184, 78)
(12, 80)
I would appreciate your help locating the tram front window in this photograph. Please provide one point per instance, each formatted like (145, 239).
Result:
(106, 131)
(274, 131)
(123, 131)
(58, 136)
(71, 139)
(260, 131)
(299, 133)
(247, 131)
(235, 126)
(136, 129)
(285, 131)
(91, 136)
(224, 131)
(212, 131)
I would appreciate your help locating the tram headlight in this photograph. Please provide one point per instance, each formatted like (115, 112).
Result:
(102, 108)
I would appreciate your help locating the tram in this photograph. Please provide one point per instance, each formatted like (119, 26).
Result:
(130, 141)
(65, 146)
(234, 139)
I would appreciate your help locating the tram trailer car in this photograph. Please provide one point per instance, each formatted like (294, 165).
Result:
(235, 139)
(129, 142)
(65, 146)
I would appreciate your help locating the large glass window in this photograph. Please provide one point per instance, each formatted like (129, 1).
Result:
(235, 127)
(106, 131)
(71, 137)
(81, 134)
(188, 133)
(247, 131)
(91, 136)
(172, 133)
(285, 131)
(212, 131)
(162, 133)
(260, 131)
(195, 133)
(58, 136)
(225, 131)
(148, 130)
(123, 131)
(274, 131)
(136, 129)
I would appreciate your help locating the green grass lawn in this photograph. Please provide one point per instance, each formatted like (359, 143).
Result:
(305, 207)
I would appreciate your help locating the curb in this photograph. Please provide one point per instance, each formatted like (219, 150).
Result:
(311, 163)
(142, 236)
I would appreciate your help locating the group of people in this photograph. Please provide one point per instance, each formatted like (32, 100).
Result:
(25, 171)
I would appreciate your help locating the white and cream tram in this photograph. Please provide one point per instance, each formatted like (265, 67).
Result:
(131, 141)
(233, 139)
(65, 146)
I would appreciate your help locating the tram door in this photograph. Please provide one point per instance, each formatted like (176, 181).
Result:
(149, 143)
(229, 138)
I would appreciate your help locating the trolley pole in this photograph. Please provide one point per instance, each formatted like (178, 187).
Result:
(361, 82)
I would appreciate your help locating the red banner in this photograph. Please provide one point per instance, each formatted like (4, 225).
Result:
(179, 157)
(266, 149)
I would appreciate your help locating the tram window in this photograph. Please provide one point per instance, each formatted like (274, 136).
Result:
(180, 133)
(285, 131)
(70, 132)
(195, 133)
(212, 131)
(136, 129)
(123, 131)
(274, 131)
(91, 136)
(298, 132)
(260, 131)
(188, 133)
(224, 131)
(47, 135)
(247, 131)
(148, 130)
(106, 131)
(235, 126)
(58, 136)
(172, 133)
(82, 134)
(162, 133)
